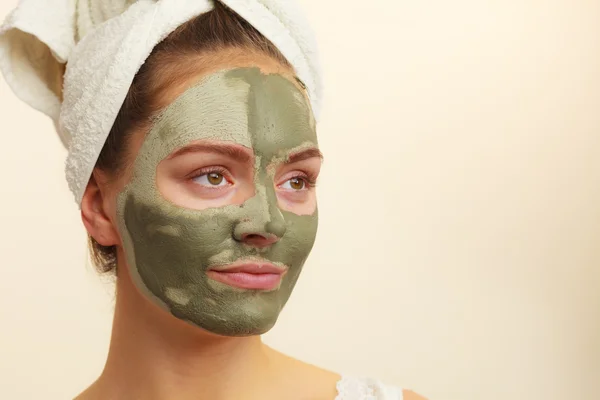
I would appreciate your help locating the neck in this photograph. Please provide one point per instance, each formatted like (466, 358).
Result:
(155, 356)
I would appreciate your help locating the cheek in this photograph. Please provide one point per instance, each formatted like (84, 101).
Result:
(171, 249)
(303, 204)
(300, 235)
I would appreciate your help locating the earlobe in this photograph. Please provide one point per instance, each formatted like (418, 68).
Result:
(95, 215)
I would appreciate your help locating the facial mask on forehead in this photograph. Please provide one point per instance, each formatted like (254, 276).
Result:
(169, 248)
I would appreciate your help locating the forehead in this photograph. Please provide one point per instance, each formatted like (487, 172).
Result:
(265, 112)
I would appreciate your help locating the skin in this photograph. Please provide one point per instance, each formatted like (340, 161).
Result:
(161, 349)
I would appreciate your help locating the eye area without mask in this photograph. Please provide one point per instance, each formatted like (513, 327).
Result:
(218, 176)
(208, 174)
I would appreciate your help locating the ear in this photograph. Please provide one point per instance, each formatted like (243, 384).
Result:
(95, 212)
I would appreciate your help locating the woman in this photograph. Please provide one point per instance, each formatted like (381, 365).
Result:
(202, 202)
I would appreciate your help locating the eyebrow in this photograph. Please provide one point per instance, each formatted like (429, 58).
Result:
(231, 151)
(304, 155)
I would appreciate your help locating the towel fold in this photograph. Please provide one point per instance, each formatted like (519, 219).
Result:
(103, 44)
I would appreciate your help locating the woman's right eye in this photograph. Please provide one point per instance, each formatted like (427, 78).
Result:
(214, 179)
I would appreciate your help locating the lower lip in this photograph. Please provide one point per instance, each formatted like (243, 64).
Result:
(246, 280)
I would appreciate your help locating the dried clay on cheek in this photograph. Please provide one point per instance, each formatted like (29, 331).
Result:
(169, 248)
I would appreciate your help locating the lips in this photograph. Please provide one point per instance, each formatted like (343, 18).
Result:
(248, 275)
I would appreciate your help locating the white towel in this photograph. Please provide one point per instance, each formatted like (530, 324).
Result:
(104, 43)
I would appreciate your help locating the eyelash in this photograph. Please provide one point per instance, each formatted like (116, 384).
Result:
(309, 179)
(210, 170)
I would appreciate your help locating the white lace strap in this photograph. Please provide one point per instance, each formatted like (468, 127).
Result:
(351, 388)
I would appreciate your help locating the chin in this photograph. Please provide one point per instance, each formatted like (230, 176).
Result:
(230, 321)
(251, 327)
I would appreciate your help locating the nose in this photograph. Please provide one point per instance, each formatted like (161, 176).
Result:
(262, 226)
(263, 223)
(258, 233)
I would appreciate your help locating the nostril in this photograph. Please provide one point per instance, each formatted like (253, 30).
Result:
(255, 239)
(253, 236)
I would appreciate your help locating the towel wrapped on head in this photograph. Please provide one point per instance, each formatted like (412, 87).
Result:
(103, 43)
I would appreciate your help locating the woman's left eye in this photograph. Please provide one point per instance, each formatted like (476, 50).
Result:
(211, 179)
(295, 183)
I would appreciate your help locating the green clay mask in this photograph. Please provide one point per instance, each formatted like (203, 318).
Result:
(169, 248)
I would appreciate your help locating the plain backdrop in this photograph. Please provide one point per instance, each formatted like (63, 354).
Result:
(459, 244)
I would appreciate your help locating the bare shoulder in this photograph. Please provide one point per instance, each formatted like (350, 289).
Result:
(410, 395)
(91, 393)
(306, 380)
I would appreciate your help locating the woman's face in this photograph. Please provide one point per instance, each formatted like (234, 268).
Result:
(219, 213)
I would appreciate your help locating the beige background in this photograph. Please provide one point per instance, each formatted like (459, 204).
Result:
(458, 251)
